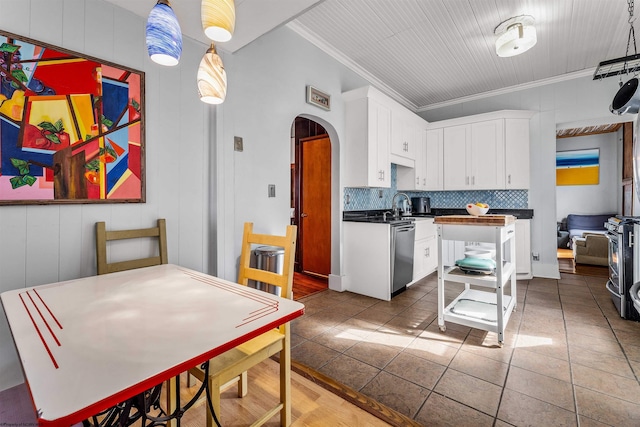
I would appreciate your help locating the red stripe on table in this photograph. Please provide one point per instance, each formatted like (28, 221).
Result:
(270, 306)
(43, 319)
(47, 307)
(55, 364)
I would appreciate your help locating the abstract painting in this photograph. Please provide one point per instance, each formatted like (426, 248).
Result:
(578, 167)
(71, 126)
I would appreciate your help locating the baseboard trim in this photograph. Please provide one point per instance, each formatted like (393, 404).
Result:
(549, 271)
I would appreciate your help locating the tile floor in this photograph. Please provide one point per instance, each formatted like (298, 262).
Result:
(568, 358)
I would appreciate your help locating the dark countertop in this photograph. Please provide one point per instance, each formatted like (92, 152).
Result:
(376, 215)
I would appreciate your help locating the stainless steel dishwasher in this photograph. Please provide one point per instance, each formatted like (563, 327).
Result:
(402, 242)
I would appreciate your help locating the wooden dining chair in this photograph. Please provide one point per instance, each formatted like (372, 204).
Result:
(103, 237)
(232, 366)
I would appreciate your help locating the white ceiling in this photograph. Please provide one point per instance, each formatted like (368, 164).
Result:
(428, 53)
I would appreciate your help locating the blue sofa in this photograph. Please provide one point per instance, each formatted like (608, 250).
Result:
(577, 225)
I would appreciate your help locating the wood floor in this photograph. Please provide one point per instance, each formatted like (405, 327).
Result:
(566, 264)
(305, 285)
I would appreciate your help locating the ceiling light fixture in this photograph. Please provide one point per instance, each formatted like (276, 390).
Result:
(218, 19)
(211, 78)
(164, 37)
(515, 36)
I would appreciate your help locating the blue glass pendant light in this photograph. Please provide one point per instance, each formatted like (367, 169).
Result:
(164, 37)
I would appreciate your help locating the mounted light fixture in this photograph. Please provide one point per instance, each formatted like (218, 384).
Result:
(218, 19)
(515, 36)
(212, 79)
(164, 37)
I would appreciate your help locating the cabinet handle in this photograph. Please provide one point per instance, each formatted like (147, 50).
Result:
(509, 179)
(473, 180)
(417, 180)
(424, 181)
(467, 180)
(426, 252)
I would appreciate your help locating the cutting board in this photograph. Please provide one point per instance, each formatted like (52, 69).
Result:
(494, 220)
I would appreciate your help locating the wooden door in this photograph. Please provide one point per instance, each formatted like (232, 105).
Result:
(315, 205)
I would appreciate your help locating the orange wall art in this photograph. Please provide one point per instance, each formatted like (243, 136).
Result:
(71, 127)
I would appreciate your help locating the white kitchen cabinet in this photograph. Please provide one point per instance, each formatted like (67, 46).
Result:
(434, 157)
(415, 178)
(456, 169)
(367, 139)
(367, 254)
(425, 255)
(517, 154)
(523, 249)
(474, 156)
(404, 137)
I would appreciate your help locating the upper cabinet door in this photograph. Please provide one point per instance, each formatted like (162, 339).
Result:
(434, 173)
(404, 137)
(456, 169)
(487, 155)
(517, 169)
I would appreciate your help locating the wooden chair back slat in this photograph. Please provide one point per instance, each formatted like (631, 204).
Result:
(103, 237)
(287, 242)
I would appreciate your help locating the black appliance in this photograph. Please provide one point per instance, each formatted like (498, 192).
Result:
(620, 232)
(421, 205)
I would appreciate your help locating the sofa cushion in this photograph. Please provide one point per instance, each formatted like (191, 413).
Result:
(577, 225)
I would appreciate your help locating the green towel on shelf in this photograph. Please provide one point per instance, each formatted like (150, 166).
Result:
(481, 264)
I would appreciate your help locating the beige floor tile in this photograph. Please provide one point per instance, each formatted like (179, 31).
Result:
(308, 327)
(435, 351)
(471, 391)
(375, 315)
(488, 346)
(601, 332)
(521, 410)
(481, 367)
(417, 370)
(349, 371)
(606, 409)
(541, 387)
(629, 337)
(439, 411)
(602, 361)
(542, 364)
(543, 344)
(607, 383)
(588, 422)
(396, 393)
(313, 354)
(579, 341)
(372, 353)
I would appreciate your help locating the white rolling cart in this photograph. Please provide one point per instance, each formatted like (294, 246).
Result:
(474, 307)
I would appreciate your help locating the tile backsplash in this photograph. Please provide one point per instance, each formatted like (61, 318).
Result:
(380, 198)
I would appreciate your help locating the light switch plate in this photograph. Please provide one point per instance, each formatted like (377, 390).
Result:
(237, 143)
(272, 190)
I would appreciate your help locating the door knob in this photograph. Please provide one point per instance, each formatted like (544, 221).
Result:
(303, 215)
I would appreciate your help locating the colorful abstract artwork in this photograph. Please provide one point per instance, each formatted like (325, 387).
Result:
(71, 127)
(578, 167)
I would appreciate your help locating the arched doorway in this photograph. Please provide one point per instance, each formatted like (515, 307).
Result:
(311, 197)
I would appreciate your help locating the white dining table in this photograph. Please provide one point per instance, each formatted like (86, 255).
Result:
(90, 343)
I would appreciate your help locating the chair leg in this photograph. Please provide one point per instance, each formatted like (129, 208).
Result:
(285, 381)
(214, 391)
(243, 387)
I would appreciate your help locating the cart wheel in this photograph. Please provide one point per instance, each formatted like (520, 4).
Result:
(515, 308)
(443, 328)
(500, 344)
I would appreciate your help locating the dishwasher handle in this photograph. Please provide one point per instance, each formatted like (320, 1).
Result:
(403, 227)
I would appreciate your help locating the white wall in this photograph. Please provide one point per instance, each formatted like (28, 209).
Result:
(42, 244)
(579, 99)
(601, 198)
(267, 81)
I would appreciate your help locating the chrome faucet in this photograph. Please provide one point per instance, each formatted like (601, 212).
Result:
(396, 210)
